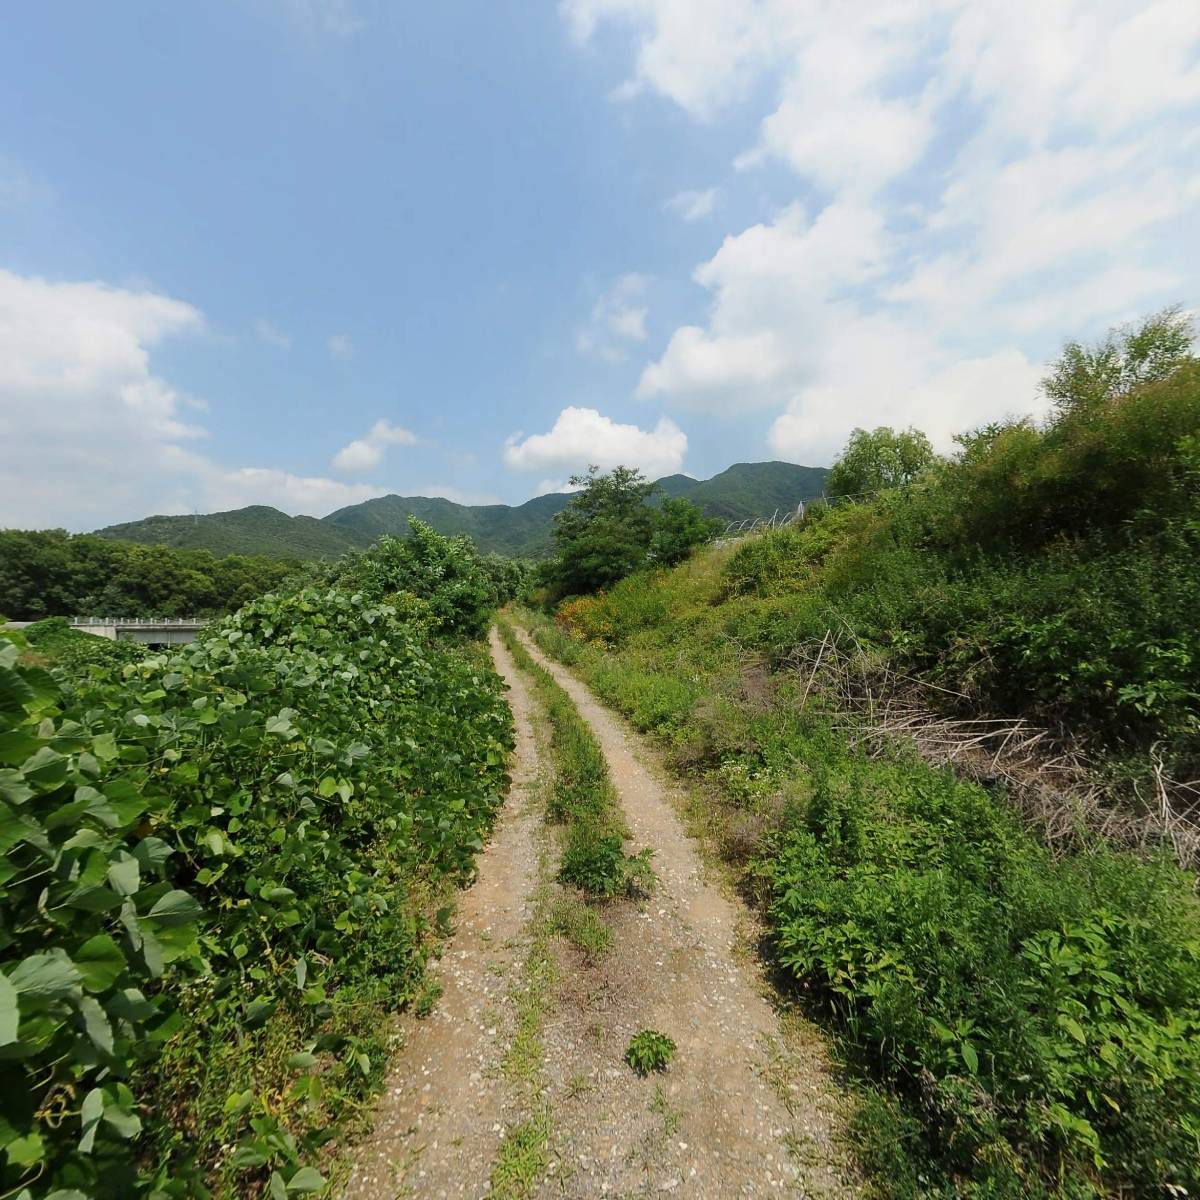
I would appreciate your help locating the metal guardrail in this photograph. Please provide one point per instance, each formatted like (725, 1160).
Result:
(142, 622)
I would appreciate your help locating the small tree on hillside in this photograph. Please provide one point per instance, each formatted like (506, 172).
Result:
(604, 532)
(879, 459)
(1128, 357)
(679, 527)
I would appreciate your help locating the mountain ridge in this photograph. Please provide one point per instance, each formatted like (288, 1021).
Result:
(520, 530)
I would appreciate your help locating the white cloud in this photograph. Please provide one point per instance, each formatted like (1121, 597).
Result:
(91, 434)
(272, 335)
(583, 436)
(340, 345)
(316, 18)
(618, 318)
(693, 205)
(366, 453)
(981, 181)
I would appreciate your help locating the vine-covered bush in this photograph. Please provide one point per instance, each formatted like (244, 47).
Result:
(1042, 1015)
(215, 864)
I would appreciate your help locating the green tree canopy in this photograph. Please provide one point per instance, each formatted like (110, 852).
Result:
(879, 459)
(608, 530)
(1084, 377)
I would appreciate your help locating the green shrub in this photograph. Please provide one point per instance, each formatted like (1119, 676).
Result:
(215, 867)
(649, 1050)
(1037, 1011)
(444, 574)
(595, 863)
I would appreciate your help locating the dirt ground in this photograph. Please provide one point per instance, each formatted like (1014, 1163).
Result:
(747, 1107)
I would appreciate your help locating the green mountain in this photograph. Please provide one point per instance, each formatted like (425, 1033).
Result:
(744, 490)
(258, 529)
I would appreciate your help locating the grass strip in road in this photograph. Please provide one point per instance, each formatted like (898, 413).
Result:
(583, 799)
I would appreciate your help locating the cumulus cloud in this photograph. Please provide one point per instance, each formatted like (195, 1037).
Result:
(693, 205)
(270, 333)
(618, 319)
(366, 453)
(91, 434)
(583, 436)
(981, 181)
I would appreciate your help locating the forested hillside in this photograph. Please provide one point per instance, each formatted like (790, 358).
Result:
(518, 531)
(222, 870)
(946, 736)
(257, 530)
(45, 573)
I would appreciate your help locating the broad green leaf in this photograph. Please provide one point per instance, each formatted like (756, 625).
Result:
(175, 908)
(89, 1117)
(45, 977)
(10, 1013)
(152, 853)
(27, 1150)
(307, 1179)
(127, 1124)
(125, 875)
(96, 1023)
(970, 1057)
(47, 767)
(1073, 1028)
(104, 747)
(100, 962)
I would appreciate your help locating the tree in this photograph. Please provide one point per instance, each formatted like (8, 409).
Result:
(444, 574)
(604, 532)
(679, 527)
(880, 459)
(1084, 377)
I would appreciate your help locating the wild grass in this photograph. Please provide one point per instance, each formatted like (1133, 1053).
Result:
(1026, 1024)
(583, 799)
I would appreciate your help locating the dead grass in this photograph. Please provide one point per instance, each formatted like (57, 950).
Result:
(1052, 780)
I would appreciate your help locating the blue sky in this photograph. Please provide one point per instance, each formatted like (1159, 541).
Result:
(301, 252)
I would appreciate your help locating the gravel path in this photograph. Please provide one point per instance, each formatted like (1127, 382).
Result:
(446, 1106)
(744, 1110)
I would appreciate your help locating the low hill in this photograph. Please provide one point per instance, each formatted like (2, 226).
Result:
(521, 530)
(258, 529)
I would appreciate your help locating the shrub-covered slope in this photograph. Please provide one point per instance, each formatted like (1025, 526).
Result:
(218, 873)
(1029, 1024)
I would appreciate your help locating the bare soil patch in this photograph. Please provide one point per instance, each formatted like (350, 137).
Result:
(446, 1105)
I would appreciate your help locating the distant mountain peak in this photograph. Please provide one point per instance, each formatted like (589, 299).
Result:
(741, 490)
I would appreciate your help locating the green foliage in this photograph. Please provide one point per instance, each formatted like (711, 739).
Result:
(1037, 1009)
(880, 459)
(49, 573)
(604, 532)
(1027, 1024)
(1086, 377)
(595, 863)
(608, 530)
(679, 527)
(214, 873)
(56, 644)
(445, 576)
(649, 1050)
(581, 924)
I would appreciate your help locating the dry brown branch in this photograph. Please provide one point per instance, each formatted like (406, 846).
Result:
(1052, 780)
